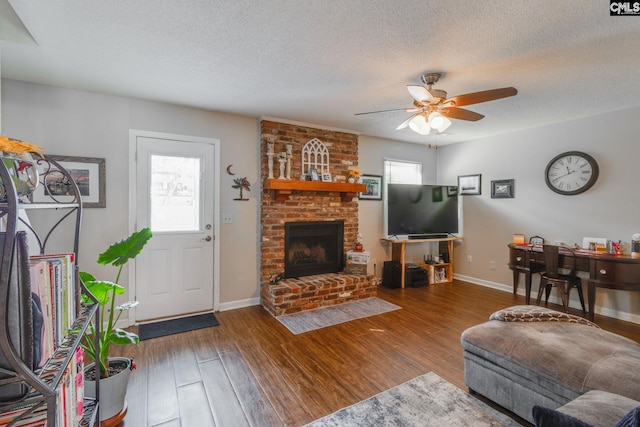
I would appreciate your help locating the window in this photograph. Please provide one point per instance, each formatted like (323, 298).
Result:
(175, 193)
(399, 172)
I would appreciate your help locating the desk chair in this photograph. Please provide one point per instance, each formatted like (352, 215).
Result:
(552, 277)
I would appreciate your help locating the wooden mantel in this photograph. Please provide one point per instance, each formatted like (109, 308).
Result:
(282, 188)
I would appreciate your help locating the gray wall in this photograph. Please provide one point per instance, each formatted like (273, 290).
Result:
(610, 209)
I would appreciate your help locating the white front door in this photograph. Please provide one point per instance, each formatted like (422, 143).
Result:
(174, 274)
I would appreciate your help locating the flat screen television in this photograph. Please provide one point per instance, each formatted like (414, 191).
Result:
(422, 210)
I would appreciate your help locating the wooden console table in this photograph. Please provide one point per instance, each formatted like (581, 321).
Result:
(619, 272)
(398, 248)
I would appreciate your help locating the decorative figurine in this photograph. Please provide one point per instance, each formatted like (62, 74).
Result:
(242, 184)
(358, 246)
(282, 158)
(270, 155)
(289, 156)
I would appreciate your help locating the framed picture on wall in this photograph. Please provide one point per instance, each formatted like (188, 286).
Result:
(374, 187)
(502, 189)
(89, 174)
(469, 184)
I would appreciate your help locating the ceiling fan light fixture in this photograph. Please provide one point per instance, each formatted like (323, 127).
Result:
(436, 120)
(445, 125)
(419, 124)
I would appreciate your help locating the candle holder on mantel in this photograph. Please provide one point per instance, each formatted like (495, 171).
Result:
(289, 156)
(270, 155)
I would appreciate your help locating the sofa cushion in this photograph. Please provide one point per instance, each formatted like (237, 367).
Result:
(534, 313)
(599, 408)
(567, 358)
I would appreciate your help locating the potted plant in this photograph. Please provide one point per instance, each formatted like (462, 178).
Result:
(114, 372)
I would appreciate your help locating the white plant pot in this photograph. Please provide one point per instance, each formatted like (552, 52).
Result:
(112, 389)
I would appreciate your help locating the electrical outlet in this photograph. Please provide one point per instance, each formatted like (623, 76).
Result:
(469, 259)
(227, 218)
(492, 265)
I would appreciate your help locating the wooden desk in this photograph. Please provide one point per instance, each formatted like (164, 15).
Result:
(619, 272)
(398, 251)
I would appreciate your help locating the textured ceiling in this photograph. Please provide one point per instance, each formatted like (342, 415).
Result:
(322, 61)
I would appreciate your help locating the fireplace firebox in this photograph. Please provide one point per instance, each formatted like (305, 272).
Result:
(313, 247)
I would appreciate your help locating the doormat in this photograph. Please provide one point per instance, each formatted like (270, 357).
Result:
(176, 326)
(309, 320)
(427, 400)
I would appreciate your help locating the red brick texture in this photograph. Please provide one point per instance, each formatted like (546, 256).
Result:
(294, 295)
(306, 206)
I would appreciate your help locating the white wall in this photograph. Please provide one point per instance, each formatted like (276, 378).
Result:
(372, 152)
(77, 123)
(609, 209)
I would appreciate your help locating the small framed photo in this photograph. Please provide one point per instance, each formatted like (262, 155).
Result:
(374, 187)
(313, 173)
(326, 177)
(469, 184)
(502, 189)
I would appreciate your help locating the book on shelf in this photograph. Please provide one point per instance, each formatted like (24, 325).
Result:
(52, 280)
(69, 400)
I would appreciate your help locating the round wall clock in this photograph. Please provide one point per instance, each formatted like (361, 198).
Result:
(571, 173)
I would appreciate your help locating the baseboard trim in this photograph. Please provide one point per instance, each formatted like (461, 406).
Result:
(232, 305)
(604, 311)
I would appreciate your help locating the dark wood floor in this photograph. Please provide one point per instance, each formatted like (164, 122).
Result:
(251, 371)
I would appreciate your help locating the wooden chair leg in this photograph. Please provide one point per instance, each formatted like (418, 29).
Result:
(543, 286)
(579, 286)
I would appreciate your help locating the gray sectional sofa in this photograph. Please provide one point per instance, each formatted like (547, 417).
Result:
(529, 355)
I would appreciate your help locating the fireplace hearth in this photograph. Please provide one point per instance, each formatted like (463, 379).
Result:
(313, 247)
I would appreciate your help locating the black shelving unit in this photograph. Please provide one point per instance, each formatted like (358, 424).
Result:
(20, 385)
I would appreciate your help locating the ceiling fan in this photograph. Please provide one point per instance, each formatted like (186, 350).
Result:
(432, 109)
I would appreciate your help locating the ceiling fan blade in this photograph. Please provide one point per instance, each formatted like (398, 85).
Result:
(381, 111)
(461, 114)
(405, 123)
(419, 93)
(484, 96)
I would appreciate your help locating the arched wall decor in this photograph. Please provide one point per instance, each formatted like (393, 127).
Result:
(315, 155)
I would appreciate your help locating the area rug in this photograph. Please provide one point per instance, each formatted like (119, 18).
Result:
(310, 320)
(176, 326)
(427, 400)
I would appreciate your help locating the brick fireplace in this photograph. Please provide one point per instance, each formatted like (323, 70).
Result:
(307, 292)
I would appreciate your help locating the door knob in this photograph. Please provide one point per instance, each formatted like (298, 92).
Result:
(207, 239)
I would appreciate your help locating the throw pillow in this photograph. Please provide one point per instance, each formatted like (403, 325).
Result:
(546, 417)
(632, 419)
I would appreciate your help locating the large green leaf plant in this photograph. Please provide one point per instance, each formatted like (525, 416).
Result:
(118, 254)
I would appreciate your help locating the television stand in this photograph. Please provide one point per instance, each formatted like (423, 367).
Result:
(398, 253)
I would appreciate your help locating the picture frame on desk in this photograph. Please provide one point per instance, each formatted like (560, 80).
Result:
(89, 174)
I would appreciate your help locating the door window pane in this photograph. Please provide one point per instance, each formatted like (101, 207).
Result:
(175, 193)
